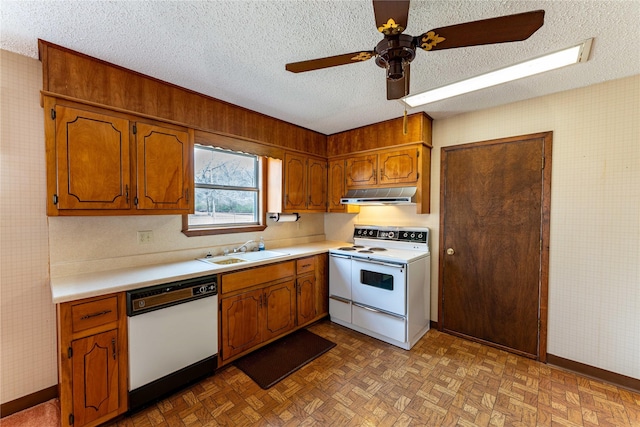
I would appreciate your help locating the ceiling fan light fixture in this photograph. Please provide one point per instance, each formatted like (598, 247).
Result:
(552, 61)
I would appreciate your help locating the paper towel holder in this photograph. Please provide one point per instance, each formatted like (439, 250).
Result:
(277, 217)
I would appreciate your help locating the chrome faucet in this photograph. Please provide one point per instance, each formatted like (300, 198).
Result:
(243, 247)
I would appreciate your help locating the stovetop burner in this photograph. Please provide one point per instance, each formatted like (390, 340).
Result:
(378, 249)
(352, 248)
(365, 251)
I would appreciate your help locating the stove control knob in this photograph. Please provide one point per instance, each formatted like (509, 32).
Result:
(391, 234)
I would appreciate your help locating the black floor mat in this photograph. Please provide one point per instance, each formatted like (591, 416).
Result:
(277, 360)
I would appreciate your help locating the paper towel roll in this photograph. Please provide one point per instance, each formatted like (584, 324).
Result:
(285, 217)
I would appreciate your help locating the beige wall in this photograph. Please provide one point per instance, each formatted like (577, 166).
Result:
(27, 315)
(594, 279)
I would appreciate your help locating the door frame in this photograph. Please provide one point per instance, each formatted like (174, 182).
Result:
(543, 285)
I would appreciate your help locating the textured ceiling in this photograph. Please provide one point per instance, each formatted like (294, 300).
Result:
(236, 50)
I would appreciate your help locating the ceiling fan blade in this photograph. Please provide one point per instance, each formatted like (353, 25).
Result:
(503, 29)
(397, 89)
(391, 16)
(330, 61)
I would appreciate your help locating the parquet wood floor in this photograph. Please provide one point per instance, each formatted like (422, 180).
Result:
(442, 381)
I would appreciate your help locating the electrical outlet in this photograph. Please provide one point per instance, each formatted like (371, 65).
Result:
(145, 237)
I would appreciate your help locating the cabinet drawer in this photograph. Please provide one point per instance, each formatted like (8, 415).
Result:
(255, 276)
(305, 265)
(95, 313)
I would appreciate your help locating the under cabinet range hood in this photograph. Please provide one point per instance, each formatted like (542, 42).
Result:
(380, 196)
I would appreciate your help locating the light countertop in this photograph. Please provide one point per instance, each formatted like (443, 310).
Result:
(70, 288)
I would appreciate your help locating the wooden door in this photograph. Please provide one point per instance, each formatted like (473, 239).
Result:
(93, 160)
(494, 242)
(95, 377)
(163, 167)
(317, 185)
(295, 182)
(279, 305)
(399, 166)
(306, 298)
(241, 322)
(361, 171)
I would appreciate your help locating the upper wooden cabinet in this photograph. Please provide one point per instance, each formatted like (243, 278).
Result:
(388, 167)
(92, 155)
(305, 183)
(164, 179)
(336, 187)
(394, 153)
(101, 162)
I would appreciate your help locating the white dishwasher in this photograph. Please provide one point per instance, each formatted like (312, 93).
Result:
(173, 337)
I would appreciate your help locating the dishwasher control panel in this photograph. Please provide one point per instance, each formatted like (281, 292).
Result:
(165, 295)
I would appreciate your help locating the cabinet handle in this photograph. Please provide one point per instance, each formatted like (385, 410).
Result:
(100, 313)
(260, 300)
(186, 195)
(306, 265)
(113, 346)
(126, 192)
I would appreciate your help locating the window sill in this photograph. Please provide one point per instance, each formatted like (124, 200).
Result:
(193, 232)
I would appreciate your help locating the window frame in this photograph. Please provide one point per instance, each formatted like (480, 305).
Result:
(261, 175)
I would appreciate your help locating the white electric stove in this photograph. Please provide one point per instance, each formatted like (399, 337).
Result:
(380, 286)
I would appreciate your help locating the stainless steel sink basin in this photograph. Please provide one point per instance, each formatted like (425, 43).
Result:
(260, 255)
(241, 257)
(222, 260)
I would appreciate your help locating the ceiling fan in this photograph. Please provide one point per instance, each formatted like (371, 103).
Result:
(396, 51)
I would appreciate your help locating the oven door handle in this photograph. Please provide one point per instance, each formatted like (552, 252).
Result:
(337, 298)
(340, 256)
(386, 264)
(377, 310)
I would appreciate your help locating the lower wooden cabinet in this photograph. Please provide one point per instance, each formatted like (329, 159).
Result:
(250, 318)
(92, 358)
(261, 304)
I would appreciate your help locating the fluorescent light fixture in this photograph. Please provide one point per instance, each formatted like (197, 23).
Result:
(562, 58)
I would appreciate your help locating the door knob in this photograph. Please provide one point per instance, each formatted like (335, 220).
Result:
(450, 251)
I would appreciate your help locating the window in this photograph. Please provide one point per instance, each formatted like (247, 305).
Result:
(227, 192)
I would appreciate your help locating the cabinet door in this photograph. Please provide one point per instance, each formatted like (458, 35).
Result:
(95, 377)
(93, 160)
(279, 309)
(336, 185)
(317, 187)
(163, 159)
(306, 298)
(361, 171)
(295, 182)
(241, 322)
(399, 166)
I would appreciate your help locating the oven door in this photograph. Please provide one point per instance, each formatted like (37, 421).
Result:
(379, 284)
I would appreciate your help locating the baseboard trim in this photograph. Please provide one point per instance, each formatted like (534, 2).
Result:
(434, 325)
(593, 372)
(28, 401)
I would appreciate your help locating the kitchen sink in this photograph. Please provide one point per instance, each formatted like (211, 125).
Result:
(240, 257)
(222, 260)
(259, 255)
